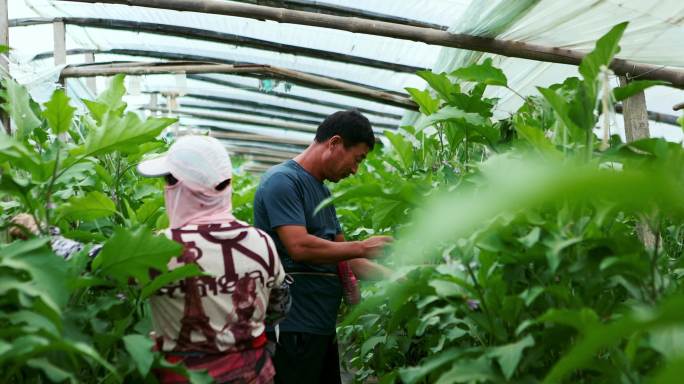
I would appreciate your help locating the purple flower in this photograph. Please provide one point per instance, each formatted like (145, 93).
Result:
(473, 304)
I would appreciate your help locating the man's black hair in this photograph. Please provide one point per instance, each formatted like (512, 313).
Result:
(351, 126)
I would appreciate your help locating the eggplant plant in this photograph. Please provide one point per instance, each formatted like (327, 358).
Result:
(528, 249)
(83, 319)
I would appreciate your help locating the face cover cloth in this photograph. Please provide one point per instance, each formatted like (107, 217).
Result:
(186, 206)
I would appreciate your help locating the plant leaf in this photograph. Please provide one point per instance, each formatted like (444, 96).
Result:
(509, 355)
(166, 278)
(633, 87)
(140, 349)
(454, 114)
(58, 112)
(440, 83)
(116, 133)
(599, 336)
(92, 206)
(606, 47)
(18, 106)
(484, 73)
(428, 105)
(132, 253)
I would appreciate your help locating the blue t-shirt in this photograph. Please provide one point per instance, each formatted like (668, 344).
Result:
(288, 195)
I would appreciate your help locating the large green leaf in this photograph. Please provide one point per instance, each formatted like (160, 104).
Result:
(109, 100)
(412, 375)
(18, 154)
(48, 272)
(140, 349)
(52, 371)
(17, 187)
(468, 371)
(606, 47)
(562, 109)
(92, 206)
(509, 355)
(121, 133)
(428, 105)
(58, 112)
(668, 313)
(451, 113)
(633, 87)
(18, 106)
(530, 183)
(403, 147)
(528, 131)
(440, 83)
(484, 73)
(132, 253)
(166, 278)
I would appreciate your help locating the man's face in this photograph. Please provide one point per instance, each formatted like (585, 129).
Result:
(342, 161)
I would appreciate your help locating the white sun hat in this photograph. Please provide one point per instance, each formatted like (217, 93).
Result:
(200, 162)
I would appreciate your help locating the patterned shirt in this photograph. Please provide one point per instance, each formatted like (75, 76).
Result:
(225, 310)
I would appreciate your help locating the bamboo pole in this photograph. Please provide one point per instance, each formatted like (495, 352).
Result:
(234, 109)
(405, 32)
(302, 99)
(223, 38)
(266, 159)
(259, 138)
(261, 151)
(236, 118)
(294, 76)
(338, 10)
(189, 59)
(654, 116)
(256, 167)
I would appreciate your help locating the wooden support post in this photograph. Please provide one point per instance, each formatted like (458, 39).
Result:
(635, 116)
(4, 64)
(154, 103)
(59, 42)
(91, 82)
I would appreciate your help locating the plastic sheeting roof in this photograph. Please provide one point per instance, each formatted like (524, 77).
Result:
(655, 36)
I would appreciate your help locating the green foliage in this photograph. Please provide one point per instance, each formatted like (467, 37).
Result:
(58, 112)
(91, 206)
(483, 73)
(636, 86)
(133, 253)
(522, 259)
(21, 108)
(82, 319)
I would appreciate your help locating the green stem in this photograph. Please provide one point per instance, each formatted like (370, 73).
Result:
(480, 294)
(654, 265)
(440, 130)
(48, 192)
(465, 154)
(590, 138)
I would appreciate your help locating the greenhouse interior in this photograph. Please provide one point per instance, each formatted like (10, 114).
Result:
(304, 191)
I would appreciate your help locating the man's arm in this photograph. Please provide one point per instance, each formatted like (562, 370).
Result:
(303, 247)
(366, 269)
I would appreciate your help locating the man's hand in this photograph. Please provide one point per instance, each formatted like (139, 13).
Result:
(373, 246)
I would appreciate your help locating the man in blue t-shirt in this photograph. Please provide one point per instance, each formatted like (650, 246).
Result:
(310, 245)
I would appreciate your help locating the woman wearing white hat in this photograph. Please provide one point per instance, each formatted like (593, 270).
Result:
(216, 321)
